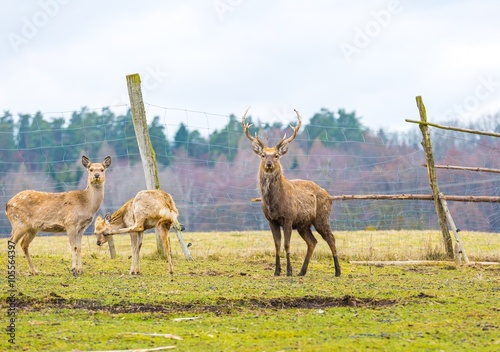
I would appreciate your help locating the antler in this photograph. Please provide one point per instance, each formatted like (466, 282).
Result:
(246, 126)
(295, 131)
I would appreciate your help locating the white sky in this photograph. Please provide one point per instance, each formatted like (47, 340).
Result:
(221, 56)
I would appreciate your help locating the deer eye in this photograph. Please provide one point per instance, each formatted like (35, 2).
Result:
(276, 156)
(263, 156)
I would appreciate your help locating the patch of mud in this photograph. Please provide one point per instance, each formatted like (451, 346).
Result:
(222, 305)
(326, 302)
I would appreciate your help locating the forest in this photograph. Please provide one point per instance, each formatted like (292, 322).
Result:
(212, 178)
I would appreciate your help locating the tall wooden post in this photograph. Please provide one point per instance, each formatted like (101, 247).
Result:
(146, 150)
(426, 143)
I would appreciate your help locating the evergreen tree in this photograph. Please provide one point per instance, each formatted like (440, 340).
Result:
(349, 127)
(322, 127)
(197, 147)
(7, 143)
(226, 141)
(181, 137)
(125, 142)
(160, 142)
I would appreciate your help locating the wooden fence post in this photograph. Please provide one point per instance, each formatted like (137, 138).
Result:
(426, 143)
(459, 250)
(146, 150)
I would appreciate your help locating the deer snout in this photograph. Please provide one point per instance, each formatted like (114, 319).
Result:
(98, 242)
(269, 166)
(97, 175)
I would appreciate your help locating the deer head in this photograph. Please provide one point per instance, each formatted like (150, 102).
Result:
(270, 156)
(96, 170)
(100, 228)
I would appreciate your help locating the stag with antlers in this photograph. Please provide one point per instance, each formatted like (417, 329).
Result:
(291, 204)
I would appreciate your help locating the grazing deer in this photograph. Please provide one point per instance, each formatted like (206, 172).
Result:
(291, 204)
(30, 212)
(148, 209)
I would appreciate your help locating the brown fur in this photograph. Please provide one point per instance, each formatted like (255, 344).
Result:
(30, 212)
(148, 209)
(291, 204)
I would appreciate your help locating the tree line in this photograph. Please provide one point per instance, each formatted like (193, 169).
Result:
(212, 177)
(50, 145)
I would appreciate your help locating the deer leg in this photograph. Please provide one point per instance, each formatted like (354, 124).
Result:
(140, 236)
(164, 227)
(287, 230)
(79, 266)
(276, 231)
(137, 227)
(134, 241)
(311, 242)
(18, 233)
(75, 241)
(25, 243)
(328, 236)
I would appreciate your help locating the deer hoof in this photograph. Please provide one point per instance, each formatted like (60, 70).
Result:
(337, 266)
(76, 272)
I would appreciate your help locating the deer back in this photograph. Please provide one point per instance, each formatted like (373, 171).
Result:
(153, 205)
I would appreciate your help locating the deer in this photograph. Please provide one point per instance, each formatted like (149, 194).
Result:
(148, 209)
(30, 212)
(291, 204)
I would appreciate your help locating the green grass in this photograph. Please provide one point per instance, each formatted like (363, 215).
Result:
(236, 303)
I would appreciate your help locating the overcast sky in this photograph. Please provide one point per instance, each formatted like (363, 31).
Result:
(221, 56)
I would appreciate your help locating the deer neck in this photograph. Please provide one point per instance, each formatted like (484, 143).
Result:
(271, 185)
(94, 193)
(118, 218)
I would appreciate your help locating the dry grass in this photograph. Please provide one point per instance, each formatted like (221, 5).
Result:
(352, 246)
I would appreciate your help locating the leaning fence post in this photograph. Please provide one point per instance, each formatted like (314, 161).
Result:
(146, 150)
(426, 143)
(459, 251)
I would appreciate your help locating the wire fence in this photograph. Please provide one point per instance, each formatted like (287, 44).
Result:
(209, 167)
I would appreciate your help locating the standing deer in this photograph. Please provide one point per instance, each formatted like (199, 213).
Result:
(291, 204)
(30, 212)
(148, 209)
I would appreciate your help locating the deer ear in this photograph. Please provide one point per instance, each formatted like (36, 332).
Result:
(257, 147)
(85, 161)
(282, 148)
(107, 217)
(107, 162)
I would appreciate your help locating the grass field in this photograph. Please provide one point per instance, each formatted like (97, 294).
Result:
(227, 298)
